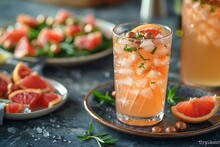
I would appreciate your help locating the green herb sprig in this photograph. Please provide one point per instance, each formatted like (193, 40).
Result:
(101, 139)
(171, 96)
(154, 50)
(103, 98)
(139, 35)
(130, 49)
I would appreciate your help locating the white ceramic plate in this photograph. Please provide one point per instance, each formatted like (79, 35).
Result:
(106, 28)
(21, 116)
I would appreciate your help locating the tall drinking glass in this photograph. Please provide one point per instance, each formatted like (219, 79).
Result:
(200, 52)
(141, 64)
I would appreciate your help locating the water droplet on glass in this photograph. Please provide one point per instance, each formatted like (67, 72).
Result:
(69, 141)
(54, 141)
(35, 139)
(65, 141)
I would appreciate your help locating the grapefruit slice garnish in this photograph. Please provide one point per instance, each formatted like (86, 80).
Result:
(20, 71)
(34, 81)
(51, 99)
(28, 97)
(151, 28)
(196, 110)
(4, 82)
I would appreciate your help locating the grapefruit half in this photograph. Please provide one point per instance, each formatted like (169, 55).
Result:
(196, 110)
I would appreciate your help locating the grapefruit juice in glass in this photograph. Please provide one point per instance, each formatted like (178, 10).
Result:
(141, 64)
(200, 52)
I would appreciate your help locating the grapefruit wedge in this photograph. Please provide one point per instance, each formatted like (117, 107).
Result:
(34, 82)
(4, 82)
(14, 108)
(51, 99)
(196, 110)
(20, 71)
(29, 97)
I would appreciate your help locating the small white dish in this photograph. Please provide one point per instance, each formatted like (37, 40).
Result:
(60, 89)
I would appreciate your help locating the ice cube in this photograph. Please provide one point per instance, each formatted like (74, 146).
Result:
(160, 62)
(133, 57)
(123, 101)
(128, 82)
(163, 52)
(124, 62)
(139, 71)
(123, 41)
(211, 34)
(147, 93)
(117, 50)
(153, 74)
(125, 71)
(202, 39)
(142, 83)
(146, 43)
(134, 91)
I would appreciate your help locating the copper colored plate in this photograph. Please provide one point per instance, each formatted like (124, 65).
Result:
(106, 115)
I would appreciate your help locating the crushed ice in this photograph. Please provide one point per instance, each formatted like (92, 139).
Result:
(12, 130)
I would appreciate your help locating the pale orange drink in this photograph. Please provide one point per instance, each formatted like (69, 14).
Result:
(141, 64)
(200, 52)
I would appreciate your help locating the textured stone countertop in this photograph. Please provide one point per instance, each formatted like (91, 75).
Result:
(61, 127)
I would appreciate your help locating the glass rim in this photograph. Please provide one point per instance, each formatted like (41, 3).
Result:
(170, 32)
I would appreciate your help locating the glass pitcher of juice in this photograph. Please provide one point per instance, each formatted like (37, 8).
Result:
(200, 51)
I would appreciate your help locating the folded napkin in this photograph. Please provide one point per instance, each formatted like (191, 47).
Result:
(1, 112)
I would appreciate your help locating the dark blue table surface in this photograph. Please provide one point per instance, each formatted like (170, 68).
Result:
(61, 127)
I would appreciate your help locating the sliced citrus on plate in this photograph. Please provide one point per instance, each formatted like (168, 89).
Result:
(28, 97)
(196, 110)
(14, 108)
(20, 72)
(4, 82)
(34, 81)
(50, 99)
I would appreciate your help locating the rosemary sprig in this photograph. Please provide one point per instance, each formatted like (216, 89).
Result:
(171, 96)
(129, 49)
(103, 98)
(101, 139)
(142, 65)
(154, 50)
(139, 35)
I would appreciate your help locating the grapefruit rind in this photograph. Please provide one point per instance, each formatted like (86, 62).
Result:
(29, 101)
(15, 74)
(197, 119)
(150, 26)
(7, 80)
(54, 102)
